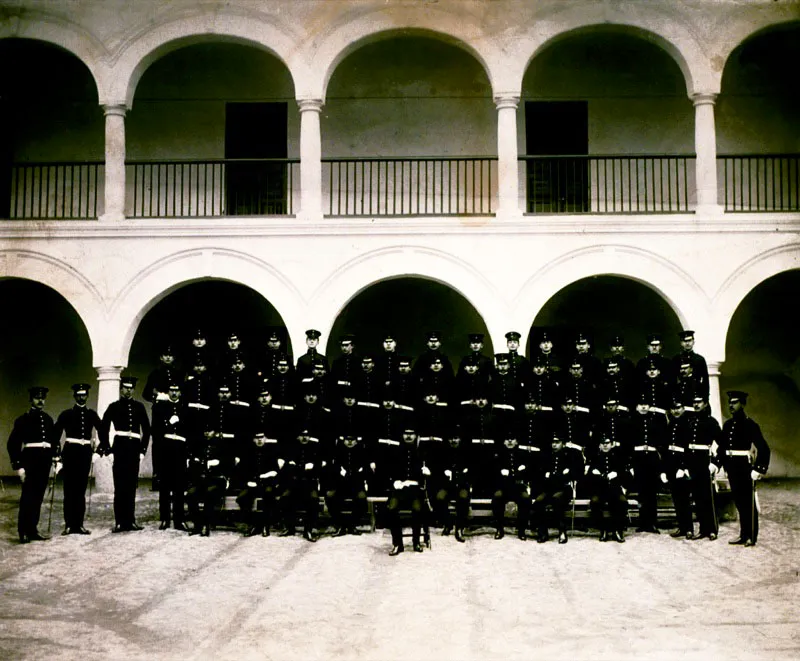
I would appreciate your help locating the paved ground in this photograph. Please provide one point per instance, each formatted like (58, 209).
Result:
(163, 595)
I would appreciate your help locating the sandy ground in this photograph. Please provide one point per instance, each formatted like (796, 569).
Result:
(164, 595)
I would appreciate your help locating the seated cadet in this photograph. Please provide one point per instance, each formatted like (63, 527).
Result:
(606, 471)
(300, 478)
(350, 472)
(260, 467)
(511, 484)
(677, 473)
(705, 433)
(563, 466)
(449, 481)
(648, 437)
(406, 474)
(392, 420)
(170, 426)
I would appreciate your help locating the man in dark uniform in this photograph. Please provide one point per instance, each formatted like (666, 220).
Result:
(198, 349)
(519, 366)
(677, 474)
(480, 432)
(306, 361)
(350, 472)
(592, 367)
(505, 393)
(170, 427)
(654, 355)
(155, 390)
(654, 388)
(649, 440)
(260, 466)
(511, 479)
(448, 477)
(705, 433)
(128, 445)
(405, 474)
(544, 350)
(434, 351)
(284, 389)
(471, 383)
(346, 366)
(300, 477)
(77, 423)
(688, 385)
(699, 367)
(437, 380)
(386, 364)
(616, 348)
(369, 387)
(740, 434)
(33, 448)
(198, 393)
(580, 390)
(476, 356)
(606, 472)
(617, 384)
(273, 354)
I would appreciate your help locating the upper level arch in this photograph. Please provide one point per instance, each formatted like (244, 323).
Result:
(739, 33)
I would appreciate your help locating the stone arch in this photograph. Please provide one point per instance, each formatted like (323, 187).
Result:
(353, 277)
(671, 34)
(36, 26)
(73, 286)
(740, 32)
(159, 279)
(743, 280)
(250, 29)
(683, 294)
(342, 39)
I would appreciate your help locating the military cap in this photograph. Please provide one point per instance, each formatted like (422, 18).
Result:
(576, 362)
(513, 335)
(167, 350)
(612, 400)
(38, 391)
(654, 338)
(676, 404)
(539, 361)
(367, 359)
(403, 361)
(128, 381)
(542, 335)
(264, 389)
(259, 434)
(81, 388)
(233, 335)
(737, 396)
(501, 358)
(199, 334)
(223, 387)
(652, 365)
(434, 335)
(312, 334)
(699, 398)
(617, 341)
(568, 399)
(605, 439)
(581, 337)
(476, 337)
(686, 334)
(611, 362)
(273, 335)
(388, 335)
(347, 338)
(283, 360)
(174, 386)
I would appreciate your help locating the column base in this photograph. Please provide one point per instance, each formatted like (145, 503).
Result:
(112, 218)
(709, 210)
(103, 476)
(509, 212)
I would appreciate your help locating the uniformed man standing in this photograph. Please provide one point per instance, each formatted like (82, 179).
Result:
(654, 355)
(78, 424)
(306, 361)
(33, 448)
(592, 368)
(476, 356)
(699, 367)
(519, 366)
(740, 434)
(155, 390)
(171, 428)
(616, 347)
(433, 352)
(386, 363)
(649, 440)
(273, 354)
(346, 366)
(128, 444)
(705, 433)
(677, 473)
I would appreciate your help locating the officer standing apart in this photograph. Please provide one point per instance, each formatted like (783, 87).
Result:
(32, 447)
(77, 423)
(127, 442)
(739, 435)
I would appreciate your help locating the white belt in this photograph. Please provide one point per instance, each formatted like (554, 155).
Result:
(506, 407)
(283, 407)
(466, 402)
(313, 439)
(574, 446)
(131, 434)
(485, 441)
(404, 407)
(41, 444)
(645, 448)
(411, 483)
(688, 408)
(238, 402)
(738, 453)
(695, 446)
(372, 405)
(581, 409)
(175, 437)
(620, 407)
(343, 383)
(196, 405)
(676, 448)
(657, 410)
(228, 435)
(529, 448)
(78, 441)
(388, 441)
(308, 380)
(441, 403)
(431, 438)
(545, 408)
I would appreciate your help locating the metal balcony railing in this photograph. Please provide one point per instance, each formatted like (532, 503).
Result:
(58, 191)
(208, 188)
(610, 183)
(759, 182)
(410, 186)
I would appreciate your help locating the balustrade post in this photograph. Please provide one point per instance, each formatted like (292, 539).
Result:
(705, 140)
(115, 163)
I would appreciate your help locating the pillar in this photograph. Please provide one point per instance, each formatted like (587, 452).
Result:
(310, 158)
(714, 395)
(705, 145)
(507, 159)
(107, 392)
(115, 163)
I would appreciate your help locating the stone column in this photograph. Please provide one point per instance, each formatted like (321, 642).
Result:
(507, 160)
(310, 158)
(714, 395)
(107, 392)
(705, 145)
(115, 163)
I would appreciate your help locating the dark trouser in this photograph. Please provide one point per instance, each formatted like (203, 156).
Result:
(609, 494)
(412, 498)
(208, 492)
(443, 494)
(266, 491)
(77, 460)
(342, 490)
(744, 497)
(126, 478)
(681, 498)
(302, 493)
(172, 485)
(557, 497)
(507, 491)
(647, 472)
(156, 445)
(37, 472)
(702, 489)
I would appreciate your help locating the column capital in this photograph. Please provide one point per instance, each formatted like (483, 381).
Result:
(118, 109)
(313, 105)
(506, 100)
(714, 369)
(109, 372)
(704, 98)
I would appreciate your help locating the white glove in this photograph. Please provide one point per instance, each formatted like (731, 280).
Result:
(713, 469)
(680, 473)
(465, 470)
(612, 475)
(521, 468)
(565, 471)
(58, 467)
(342, 471)
(141, 456)
(309, 466)
(174, 419)
(212, 462)
(755, 475)
(397, 484)
(95, 457)
(586, 470)
(504, 471)
(664, 478)
(236, 461)
(281, 462)
(270, 474)
(162, 397)
(21, 473)
(253, 484)
(324, 463)
(595, 472)
(448, 473)
(426, 471)
(547, 475)
(372, 465)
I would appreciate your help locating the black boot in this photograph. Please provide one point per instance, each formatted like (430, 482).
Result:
(460, 534)
(562, 537)
(500, 533)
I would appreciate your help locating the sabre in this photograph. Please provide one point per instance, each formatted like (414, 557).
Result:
(91, 484)
(52, 500)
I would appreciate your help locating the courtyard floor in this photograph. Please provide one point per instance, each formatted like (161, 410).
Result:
(164, 595)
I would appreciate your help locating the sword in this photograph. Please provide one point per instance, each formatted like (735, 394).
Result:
(52, 499)
(91, 480)
(753, 513)
(713, 505)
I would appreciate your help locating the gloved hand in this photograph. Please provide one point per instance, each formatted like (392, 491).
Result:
(586, 470)
(565, 471)
(252, 484)
(680, 473)
(547, 475)
(755, 475)
(426, 471)
(504, 472)
(236, 461)
(612, 475)
(212, 462)
(162, 397)
(372, 465)
(713, 469)
(466, 470)
(141, 456)
(448, 473)
(281, 462)
(57, 468)
(664, 478)
(173, 419)
(521, 468)
(397, 484)
(342, 471)
(309, 466)
(270, 474)
(324, 463)
(95, 457)
(21, 473)
(595, 472)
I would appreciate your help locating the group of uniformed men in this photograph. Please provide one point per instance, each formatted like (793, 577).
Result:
(422, 434)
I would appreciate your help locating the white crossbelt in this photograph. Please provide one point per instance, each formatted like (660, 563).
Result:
(441, 403)
(41, 444)
(283, 407)
(657, 410)
(466, 402)
(529, 448)
(676, 448)
(738, 453)
(431, 438)
(545, 408)
(224, 435)
(620, 407)
(197, 405)
(506, 407)
(645, 448)
(697, 446)
(270, 440)
(486, 441)
(78, 441)
(388, 441)
(688, 408)
(238, 402)
(131, 434)
(582, 409)
(313, 439)
(404, 407)
(343, 383)
(371, 405)
(575, 446)
(175, 437)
